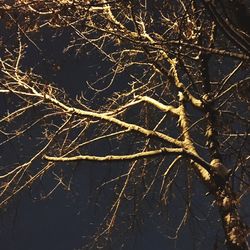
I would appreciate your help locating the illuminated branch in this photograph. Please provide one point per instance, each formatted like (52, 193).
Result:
(135, 156)
(164, 79)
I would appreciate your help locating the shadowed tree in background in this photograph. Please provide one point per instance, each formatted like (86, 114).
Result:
(168, 102)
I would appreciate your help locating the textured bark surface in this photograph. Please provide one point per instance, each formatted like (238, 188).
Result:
(162, 91)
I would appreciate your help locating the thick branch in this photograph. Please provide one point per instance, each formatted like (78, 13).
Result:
(135, 156)
(159, 105)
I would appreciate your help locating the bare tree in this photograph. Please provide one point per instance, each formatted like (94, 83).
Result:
(171, 98)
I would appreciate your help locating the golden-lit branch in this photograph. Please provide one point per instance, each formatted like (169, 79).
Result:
(129, 157)
(168, 95)
(159, 105)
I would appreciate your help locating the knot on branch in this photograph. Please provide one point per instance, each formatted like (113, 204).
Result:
(219, 168)
(219, 172)
(181, 96)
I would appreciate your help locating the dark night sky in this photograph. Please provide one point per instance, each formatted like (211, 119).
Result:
(62, 221)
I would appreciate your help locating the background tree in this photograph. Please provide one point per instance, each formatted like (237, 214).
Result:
(168, 101)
